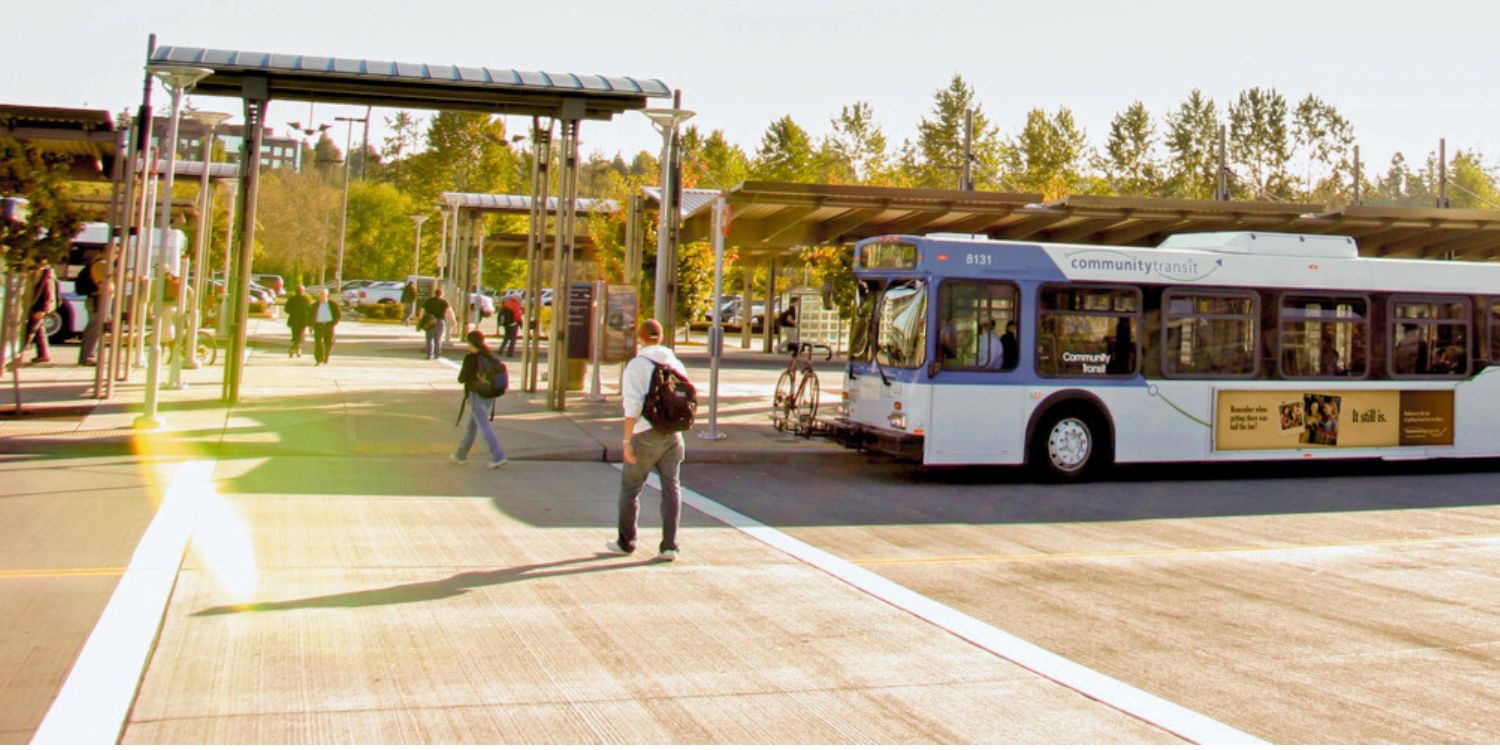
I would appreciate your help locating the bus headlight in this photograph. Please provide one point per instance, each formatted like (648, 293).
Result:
(897, 420)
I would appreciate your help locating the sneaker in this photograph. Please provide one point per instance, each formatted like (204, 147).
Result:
(457, 460)
(617, 548)
(40, 360)
(498, 464)
(667, 555)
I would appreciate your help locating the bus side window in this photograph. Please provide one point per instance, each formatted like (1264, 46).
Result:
(973, 318)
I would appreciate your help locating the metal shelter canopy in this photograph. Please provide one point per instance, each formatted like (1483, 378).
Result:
(519, 204)
(411, 85)
(771, 218)
(566, 99)
(495, 203)
(87, 136)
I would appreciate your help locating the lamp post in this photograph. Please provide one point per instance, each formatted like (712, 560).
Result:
(188, 355)
(177, 80)
(666, 122)
(416, 251)
(338, 268)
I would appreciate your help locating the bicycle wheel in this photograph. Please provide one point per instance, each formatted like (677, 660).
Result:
(806, 404)
(208, 349)
(781, 404)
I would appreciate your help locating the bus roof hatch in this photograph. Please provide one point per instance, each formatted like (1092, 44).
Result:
(1266, 243)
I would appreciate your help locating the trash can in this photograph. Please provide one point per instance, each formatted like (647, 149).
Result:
(576, 370)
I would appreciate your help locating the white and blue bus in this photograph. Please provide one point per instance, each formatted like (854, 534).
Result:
(1212, 347)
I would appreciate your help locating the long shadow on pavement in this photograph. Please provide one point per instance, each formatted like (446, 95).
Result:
(455, 585)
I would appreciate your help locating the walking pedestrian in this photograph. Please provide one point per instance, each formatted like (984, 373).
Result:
(325, 315)
(647, 448)
(787, 322)
(481, 408)
(510, 324)
(90, 284)
(409, 302)
(440, 313)
(43, 304)
(298, 308)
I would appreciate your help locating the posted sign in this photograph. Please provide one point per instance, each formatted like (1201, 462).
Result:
(1331, 418)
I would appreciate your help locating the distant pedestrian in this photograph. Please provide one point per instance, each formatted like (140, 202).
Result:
(510, 324)
(478, 365)
(298, 309)
(787, 322)
(439, 314)
(409, 302)
(90, 283)
(325, 315)
(43, 303)
(647, 448)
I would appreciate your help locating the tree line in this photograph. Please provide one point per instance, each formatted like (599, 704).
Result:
(1276, 149)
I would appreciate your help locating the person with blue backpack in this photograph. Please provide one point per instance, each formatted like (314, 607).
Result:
(485, 379)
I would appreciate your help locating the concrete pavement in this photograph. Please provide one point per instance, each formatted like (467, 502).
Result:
(345, 583)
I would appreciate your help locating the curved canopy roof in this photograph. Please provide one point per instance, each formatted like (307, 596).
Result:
(772, 217)
(84, 136)
(412, 85)
(519, 204)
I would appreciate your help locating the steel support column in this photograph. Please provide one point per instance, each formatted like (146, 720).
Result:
(256, 100)
(110, 296)
(562, 259)
(531, 344)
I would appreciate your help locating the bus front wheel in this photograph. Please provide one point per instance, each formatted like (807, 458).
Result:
(1068, 445)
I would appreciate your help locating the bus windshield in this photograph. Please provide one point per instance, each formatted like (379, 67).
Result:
(901, 329)
(861, 342)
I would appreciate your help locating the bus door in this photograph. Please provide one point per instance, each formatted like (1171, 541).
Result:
(976, 412)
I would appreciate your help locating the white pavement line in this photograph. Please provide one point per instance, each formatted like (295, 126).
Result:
(1183, 722)
(95, 700)
(450, 363)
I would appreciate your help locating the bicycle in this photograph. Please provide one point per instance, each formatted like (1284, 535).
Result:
(208, 348)
(795, 405)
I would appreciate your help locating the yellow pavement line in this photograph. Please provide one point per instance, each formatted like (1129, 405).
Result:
(1172, 552)
(58, 572)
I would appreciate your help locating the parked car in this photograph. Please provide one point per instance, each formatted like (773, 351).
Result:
(261, 298)
(270, 281)
(374, 293)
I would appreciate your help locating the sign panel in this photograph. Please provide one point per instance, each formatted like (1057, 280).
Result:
(619, 323)
(580, 305)
(1331, 418)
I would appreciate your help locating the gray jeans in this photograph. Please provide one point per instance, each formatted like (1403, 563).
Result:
(662, 451)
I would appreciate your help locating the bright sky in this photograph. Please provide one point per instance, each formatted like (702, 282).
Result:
(1405, 73)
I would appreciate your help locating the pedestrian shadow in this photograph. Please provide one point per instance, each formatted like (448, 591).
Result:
(426, 591)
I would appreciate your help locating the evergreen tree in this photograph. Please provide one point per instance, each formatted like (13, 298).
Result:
(1048, 155)
(1326, 142)
(936, 161)
(1130, 162)
(785, 154)
(712, 162)
(1259, 145)
(1192, 142)
(858, 146)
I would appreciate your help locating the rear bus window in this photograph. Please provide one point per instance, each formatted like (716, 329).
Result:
(1429, 337)
(1088, 331)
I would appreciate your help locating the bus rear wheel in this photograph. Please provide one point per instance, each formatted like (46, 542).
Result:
(1067, 445)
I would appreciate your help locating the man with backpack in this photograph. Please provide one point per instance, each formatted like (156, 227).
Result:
(658, 402)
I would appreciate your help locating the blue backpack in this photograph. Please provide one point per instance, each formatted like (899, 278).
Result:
(491, 379)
